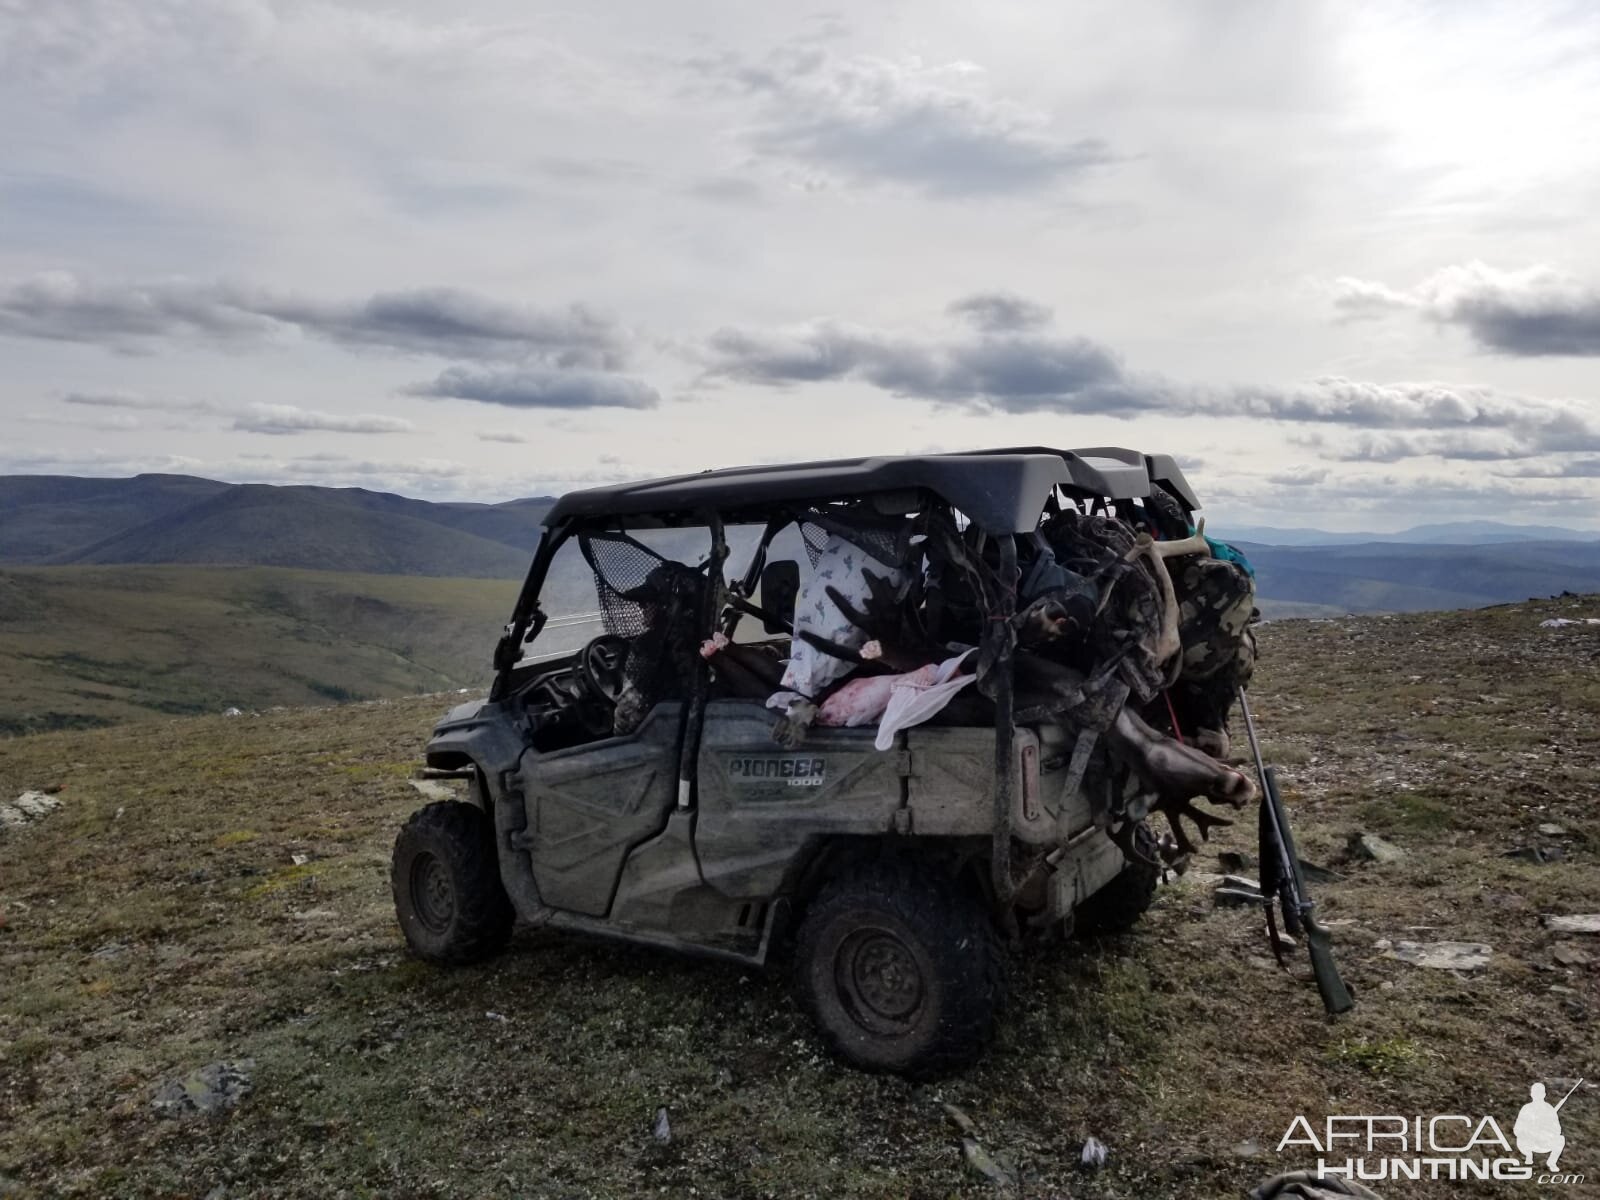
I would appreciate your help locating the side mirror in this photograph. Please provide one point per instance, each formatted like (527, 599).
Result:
(780, 584)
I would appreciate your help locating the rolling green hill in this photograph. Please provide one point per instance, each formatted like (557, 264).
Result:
(171, 594)
(275, 527)
(51, 519)
(43, 516)
(86, 646)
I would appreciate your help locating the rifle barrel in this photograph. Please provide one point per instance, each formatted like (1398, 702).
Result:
(1568, 1096)
(1255, 743)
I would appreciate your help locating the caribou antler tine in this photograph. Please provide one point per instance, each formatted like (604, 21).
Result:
(1194, 544)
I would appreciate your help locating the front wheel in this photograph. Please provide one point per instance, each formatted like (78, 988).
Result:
(446, 881)
(901, 970)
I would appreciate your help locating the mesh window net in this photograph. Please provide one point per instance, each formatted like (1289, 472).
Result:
(622, 570)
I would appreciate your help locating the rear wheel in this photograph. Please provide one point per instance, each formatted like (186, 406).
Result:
(901, 970)
(446, 882)
(1117, 907)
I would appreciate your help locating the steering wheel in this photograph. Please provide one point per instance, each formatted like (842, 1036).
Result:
(599, 666)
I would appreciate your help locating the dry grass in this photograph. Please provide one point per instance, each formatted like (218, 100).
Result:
(138, 946)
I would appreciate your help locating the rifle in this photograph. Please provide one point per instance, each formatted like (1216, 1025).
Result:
(1570, 1090)
(1283, 880)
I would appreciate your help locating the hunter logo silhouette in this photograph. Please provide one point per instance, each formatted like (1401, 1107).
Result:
(1538, 1127)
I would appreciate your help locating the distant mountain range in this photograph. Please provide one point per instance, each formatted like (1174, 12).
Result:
(178, 519)
(1452, 533)
(1400, 577)
(58, 520)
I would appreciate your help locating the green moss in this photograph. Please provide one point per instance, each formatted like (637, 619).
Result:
(1409, 811)
(1385, 1056)
(285, 878)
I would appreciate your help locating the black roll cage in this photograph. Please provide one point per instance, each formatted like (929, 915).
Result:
(1001, 492)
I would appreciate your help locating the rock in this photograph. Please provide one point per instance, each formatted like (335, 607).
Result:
(1247, 1149)
(232, 712)
(26, 809)
(980, 1162)
(1537, 855)
(1237, 891)
(211, 1090)
(998, 1170)
(961, 1121)
(299, 860)
(1319, 874)
(663, 1127)
(1444, 956)
(1507, 901)
(1233, 861)
(1553, 830)
(34, 805)
(1190, 880)
(1574, 923)
(313, 914)
(1093, 1156)
(1369, 847)
(433, 789)
(1571, 956)
(1309, 1185)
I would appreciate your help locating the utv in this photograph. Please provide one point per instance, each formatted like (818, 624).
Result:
(631, 788)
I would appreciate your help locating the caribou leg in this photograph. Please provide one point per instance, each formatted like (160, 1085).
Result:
(1174, 771)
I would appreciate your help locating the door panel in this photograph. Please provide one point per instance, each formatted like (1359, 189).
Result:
(759, 803)
(589, 805)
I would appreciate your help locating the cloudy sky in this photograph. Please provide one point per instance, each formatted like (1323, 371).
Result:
(1343, 259)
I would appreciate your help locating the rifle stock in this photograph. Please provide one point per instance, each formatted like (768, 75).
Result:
(1336, 998)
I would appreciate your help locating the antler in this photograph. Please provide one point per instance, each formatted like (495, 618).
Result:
(1174, 810)
(1194, 544)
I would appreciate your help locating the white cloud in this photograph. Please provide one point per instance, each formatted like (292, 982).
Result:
(440, 321)
(539, 387)
(935, 128)
(1531, 312)
(318, 203)
(287, 419)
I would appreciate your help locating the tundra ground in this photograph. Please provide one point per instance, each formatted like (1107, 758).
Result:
(216, 889)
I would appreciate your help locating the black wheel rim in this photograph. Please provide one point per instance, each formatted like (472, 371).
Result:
(433, 897)
(879, 981)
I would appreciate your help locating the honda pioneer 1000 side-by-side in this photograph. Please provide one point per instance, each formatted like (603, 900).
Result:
(891, 717)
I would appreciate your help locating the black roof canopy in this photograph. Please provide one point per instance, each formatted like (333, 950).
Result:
(1001, 490)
